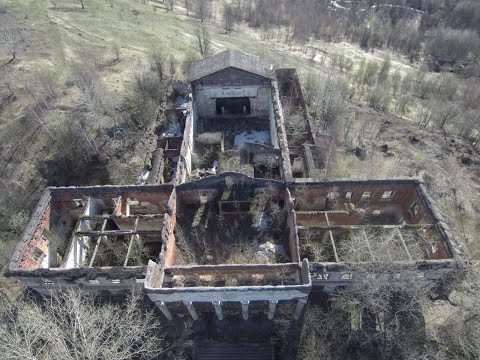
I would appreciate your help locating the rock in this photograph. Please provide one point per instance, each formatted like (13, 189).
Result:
(414, 140)
(210, 138)
(360, 153)
(268, 252)
(466, 160)
(454, 299)
(389, 154)
(384, 148)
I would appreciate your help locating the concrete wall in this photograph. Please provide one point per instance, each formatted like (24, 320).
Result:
(37, 244)
(286, 167)
(184, 165)
(205, 98)
(114, 280)
(156, 293)
(293, 241)
(406, 192)
(329, 276)
(167, 256)
(79, 245)
(404, 196)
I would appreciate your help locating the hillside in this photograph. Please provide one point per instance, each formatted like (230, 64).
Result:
(86, 89)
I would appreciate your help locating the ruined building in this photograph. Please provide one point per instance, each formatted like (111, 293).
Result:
(232, 219)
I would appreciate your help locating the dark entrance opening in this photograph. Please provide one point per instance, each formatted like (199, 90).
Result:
(233, 106)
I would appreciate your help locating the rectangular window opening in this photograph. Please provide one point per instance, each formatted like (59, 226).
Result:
(232, 106)
(366, 195)
(413, 211)
(348, 196)
(38, 255)
(387, 195)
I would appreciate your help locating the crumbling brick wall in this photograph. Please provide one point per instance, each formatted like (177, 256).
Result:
(30, 259)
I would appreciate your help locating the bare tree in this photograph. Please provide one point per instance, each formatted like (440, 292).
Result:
(9, 39)
(70, 325)
(171, 3)
(384, 70)
(203, 41)
(329, 104)
(7, 82)
(82, 3)
(378, 316)
(379, 97)
(87, 80)
(227, 17)
(203, 9)
(445, 113)
(158, 59)
(116, 51)
(188, 6)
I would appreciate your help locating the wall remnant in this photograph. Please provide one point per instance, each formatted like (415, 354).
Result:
(228, 229)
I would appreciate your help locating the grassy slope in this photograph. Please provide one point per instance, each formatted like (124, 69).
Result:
(57, 37)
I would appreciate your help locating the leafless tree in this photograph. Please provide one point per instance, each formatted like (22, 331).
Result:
(87, 80)
(9, 39)
(203, 41)
(171, 3)
(7, 82)
(158, 59)
(379, 97)
(453, 44)
(227, 17)
(384, 70)
(329, 104)
(470, 124)
(116, 51)
(188, 5)
(70, 325)
(377, 316)
(460, 333)
(445, 113)
(203, 9)
(82, 3)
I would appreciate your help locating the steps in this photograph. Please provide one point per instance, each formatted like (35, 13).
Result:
(213, 350)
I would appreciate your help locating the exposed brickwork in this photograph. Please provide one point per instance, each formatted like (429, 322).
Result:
(37, 244)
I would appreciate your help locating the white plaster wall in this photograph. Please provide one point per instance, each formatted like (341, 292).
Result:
(78, 249)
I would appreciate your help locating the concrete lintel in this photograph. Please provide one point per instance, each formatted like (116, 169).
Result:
(191, 309)
(218, 309)
(205, 294)
(298, 310)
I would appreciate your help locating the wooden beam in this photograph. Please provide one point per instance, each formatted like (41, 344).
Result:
(234, 269)
(404, 244)
(102, 217)
(331, 240)
(364, 227)
(131, 242)
(118, 232)
(97, 245)
(368, 245)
